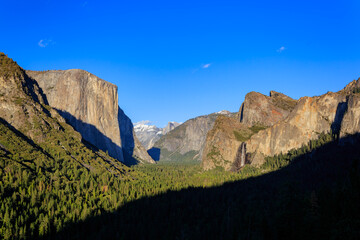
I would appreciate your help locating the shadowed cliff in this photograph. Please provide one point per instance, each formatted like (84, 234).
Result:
(92, 133)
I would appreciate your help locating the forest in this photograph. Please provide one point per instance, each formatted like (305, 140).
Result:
(309, 193)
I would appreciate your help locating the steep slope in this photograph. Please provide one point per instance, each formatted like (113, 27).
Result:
(149, 134)
(299, 123)
(169, 127)
(258, 109)
(185, 142)
(50, 177)
(257, 112)
(311, 117)
(23, 112)
(90, 105)
(87, 102)
(351, 119)
(223, 142)
(134, 152)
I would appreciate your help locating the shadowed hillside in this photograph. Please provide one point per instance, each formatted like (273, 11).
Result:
(315, 195)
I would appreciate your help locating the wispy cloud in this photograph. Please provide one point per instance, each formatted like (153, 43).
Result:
(45, 42)
(281, 49)
(206, 65)
(202, 66)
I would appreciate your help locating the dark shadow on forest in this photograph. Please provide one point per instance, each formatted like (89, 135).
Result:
(315, 197)
(154, 153)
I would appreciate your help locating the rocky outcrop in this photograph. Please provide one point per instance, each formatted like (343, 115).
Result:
(311, 116)
(185, 142)
(289, 125)
(22, 104)
(134, 152)
(90, 105)
(261, 110)
(169, 127)
(351, 121)
(223, 142)
(256, 113)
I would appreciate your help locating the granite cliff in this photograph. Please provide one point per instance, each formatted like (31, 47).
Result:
(222, 141)
(310, 117)
(29, 124)
(281, 124)
(90, 105)
(257, 112)
(134, 152)
(258, 109)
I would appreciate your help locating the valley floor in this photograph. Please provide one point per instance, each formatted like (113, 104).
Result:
(311, 193)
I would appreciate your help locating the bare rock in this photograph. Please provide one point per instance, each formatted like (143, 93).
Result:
(258, 109)
(187, 141)
(223, 142)
(310, 117)
(134, 151)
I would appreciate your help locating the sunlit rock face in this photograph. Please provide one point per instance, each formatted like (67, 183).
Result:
(258, 109)
(282, 124)
(90, 105)
(310, 117)
(223, 142)
(187, 141)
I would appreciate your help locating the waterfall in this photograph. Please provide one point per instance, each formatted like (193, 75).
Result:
(243, 154)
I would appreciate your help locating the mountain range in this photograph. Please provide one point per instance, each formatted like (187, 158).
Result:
(149, 134)
(66, 148)
(186, 142)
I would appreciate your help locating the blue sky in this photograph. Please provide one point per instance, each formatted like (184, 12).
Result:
(175, 60)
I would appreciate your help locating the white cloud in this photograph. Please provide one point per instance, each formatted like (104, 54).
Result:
(282, 48)
(42, 43)
(206, 65)
(45, 42)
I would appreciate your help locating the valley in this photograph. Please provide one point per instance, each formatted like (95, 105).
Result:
(74, 166)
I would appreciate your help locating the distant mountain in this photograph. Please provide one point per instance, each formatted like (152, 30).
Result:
(149, 134)
(185, 142)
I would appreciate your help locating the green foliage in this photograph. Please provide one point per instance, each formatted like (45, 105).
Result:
(54, 187)
(242, 136)
(8, 67)
(281, 160)
(284, 103)
(257, 128)
(356, 90)
(48, 186)
(178, 157)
